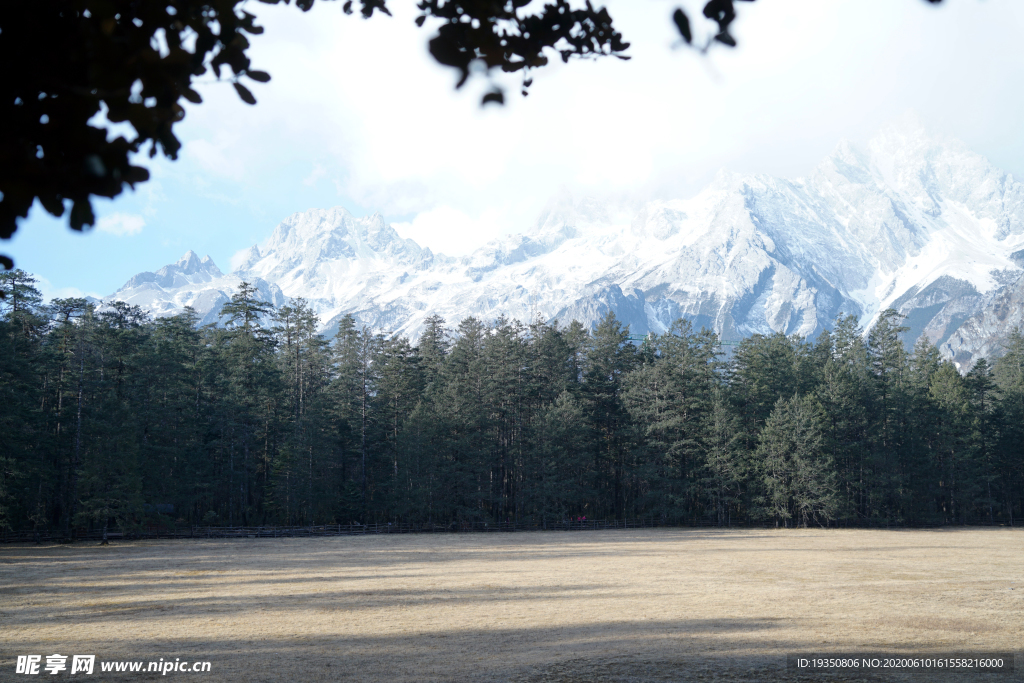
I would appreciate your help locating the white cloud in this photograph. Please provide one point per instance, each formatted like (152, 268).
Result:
(216, 157)
(50, 292)
(151, 192)
(364, 97)
(316, 174)
(450, 231)
(121, 224)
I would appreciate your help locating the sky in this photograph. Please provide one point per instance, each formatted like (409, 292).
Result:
(358, 115)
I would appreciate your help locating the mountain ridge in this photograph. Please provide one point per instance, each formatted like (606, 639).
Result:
(912, 221)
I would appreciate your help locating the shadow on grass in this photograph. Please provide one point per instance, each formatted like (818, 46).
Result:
(91, 590)
(729, 650)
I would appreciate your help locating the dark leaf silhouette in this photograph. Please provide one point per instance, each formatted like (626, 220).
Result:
(726, 39)
(501, 37)
(496, 96)
(683, 24)
(68, 59)
(244, 93)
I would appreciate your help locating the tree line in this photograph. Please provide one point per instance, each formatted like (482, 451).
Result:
(109, 418)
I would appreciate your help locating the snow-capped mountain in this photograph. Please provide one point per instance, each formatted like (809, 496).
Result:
(915, 222)
(191, 281)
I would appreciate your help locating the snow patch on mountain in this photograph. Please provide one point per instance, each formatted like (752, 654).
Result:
(191, 282)
(911, 221)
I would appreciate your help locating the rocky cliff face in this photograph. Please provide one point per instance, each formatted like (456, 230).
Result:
(912, 222)
(984, 331)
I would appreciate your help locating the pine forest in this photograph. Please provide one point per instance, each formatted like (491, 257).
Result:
(110, 418)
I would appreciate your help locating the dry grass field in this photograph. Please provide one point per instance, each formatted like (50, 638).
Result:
(649, 605)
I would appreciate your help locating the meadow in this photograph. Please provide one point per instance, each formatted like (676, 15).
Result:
(622, 606)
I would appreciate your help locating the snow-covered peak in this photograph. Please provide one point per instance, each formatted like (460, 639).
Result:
(926, 169)
(910, 220)
(189, 263)
(319, 235)
(558, 217)
(308, 225)
(660, 220)
(848, 162)
(905, 135)
(244, 260)
(188, 270)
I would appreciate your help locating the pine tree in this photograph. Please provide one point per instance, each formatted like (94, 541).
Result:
(18, 294)
(723, 472)
(953, 441)
(1008, 374)
(352, 392)
(670, 397)
(843, 390)
(557, 484)
(983, 474)
(608, 359)
(397, 390)
(251, 386)
(890, 414)
(924, 491)
(434, 345)
(796, 471)
(172, 412)
(62, 369)
(107, 478)
(506, 386)
(462, 426)
(22, 428)
(302, 474)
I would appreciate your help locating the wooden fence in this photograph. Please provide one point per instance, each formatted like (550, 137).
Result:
(80, 534)
(321, 530)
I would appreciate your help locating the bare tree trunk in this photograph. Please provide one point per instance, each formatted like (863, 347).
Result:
(364, 380)
(244, 487)
(78, 452)
(363, 446)
(231, 484)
